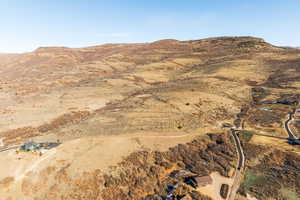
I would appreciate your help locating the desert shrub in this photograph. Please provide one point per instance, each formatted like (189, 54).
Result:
(252, 179)
(251, 45)
(247, 44)
(224, 191)
(73, 117)
(258, 93)
(246, 135)
(289, 194)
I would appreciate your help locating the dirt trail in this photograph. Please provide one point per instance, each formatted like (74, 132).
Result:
(34, 166)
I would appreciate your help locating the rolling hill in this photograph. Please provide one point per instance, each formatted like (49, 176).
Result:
(128, 117)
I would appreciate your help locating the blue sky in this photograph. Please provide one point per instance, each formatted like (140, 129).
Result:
(28, 24)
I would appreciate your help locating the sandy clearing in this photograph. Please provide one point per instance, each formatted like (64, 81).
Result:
(213, 190)
(35, 165)
(83, 154)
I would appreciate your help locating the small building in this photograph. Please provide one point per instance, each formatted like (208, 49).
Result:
(203, 181)
(30, 146)
(198, 181)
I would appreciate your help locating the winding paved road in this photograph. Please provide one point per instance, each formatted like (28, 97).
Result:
(241, 157)
(287, 127)
(240, 151)
(240, 166)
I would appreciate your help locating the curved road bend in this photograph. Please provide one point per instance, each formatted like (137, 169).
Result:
(241, 156)
(239, 150)
(287, 122)
(286, 126)
(239, 168)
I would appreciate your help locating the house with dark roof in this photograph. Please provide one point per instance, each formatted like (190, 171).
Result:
(199, 181)
(203, 181)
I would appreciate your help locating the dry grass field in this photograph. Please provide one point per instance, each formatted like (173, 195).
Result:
(116, 107)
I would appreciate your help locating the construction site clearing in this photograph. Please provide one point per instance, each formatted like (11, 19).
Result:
(38, 148)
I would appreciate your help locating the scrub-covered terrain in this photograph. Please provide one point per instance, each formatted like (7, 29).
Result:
(144, 121)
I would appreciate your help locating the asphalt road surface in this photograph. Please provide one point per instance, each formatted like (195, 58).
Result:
(287, 127)
(240, 166)
(239, 150)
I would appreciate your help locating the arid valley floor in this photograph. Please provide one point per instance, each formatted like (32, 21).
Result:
(142, 121)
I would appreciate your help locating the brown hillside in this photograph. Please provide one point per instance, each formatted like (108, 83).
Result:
(129, 115)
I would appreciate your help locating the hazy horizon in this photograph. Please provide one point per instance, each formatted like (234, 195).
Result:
(63, 46)
(73, 24)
